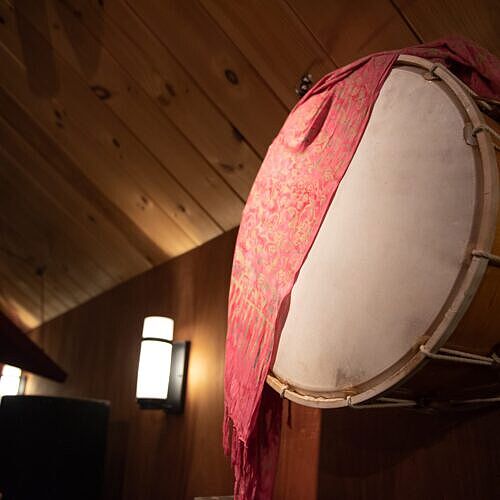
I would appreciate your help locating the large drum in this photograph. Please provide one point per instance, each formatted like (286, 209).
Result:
(402, 276)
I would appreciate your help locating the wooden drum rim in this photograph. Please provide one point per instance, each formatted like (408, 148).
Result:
(485, 226)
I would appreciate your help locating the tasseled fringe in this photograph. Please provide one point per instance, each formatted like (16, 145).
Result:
(254, 462)
(245, 472)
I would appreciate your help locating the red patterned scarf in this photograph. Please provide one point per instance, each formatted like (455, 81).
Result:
(289, 199)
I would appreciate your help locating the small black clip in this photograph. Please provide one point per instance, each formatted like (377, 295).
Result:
(305, 84)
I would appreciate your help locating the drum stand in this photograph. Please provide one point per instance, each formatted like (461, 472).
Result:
(451, 404)
(461, 357)
(442, 354)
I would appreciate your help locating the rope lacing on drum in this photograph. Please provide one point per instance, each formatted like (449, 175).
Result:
(431, 75)
(487, 128)
(283, 389)
(492, 258)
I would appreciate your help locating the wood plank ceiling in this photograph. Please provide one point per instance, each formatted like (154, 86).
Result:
(131, 131)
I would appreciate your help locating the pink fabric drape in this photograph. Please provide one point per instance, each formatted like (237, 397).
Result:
(289, 199)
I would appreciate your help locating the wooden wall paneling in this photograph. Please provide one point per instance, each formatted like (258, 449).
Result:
(95, 162)
(209, 285)
(217, 66)
(26, 127)
(478, 20)
(198, 302)
(349, 30)
(105, 242)
(60, 240)
(298, 464)
(163, 79)
(98, 345)
(152, 455)
(142, 116)
(395, 454)
(92, 117)
(274, 40)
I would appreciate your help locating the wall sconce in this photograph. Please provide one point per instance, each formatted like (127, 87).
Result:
(11, 381)
(161, 377)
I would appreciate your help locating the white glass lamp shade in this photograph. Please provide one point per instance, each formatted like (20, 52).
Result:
(158, 327)
(10, 381)
(155, 358)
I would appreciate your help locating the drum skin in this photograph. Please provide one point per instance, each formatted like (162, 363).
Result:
(391, 268)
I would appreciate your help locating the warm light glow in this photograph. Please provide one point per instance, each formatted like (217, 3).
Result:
(155, 358)
(10, 381)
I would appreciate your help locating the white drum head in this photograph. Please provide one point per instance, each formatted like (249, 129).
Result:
(392, 246)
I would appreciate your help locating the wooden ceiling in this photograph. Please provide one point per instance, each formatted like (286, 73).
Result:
(131, 131)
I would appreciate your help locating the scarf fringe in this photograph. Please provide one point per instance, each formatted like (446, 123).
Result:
(255, 460)
(245, 478)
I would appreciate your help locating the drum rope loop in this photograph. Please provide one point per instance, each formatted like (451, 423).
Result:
(283, 389)
(492, 132)
(492, 258)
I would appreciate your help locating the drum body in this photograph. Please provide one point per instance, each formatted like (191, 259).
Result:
(400, 265)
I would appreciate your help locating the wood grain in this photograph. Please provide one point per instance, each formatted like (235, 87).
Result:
(30, 243)
(217, 65)
(19, 312)
(349, 30)
(164, 80)
(478, 20)
(395, 454)
(199, 308)
(275, 41)
(95, 161)
(63, 165)
(97, 165)
(61, 249)
(298, 465)
(84, 54)
(34, 171)
(19, 263)
(152, 455)
(77, 103)
(20, 303)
